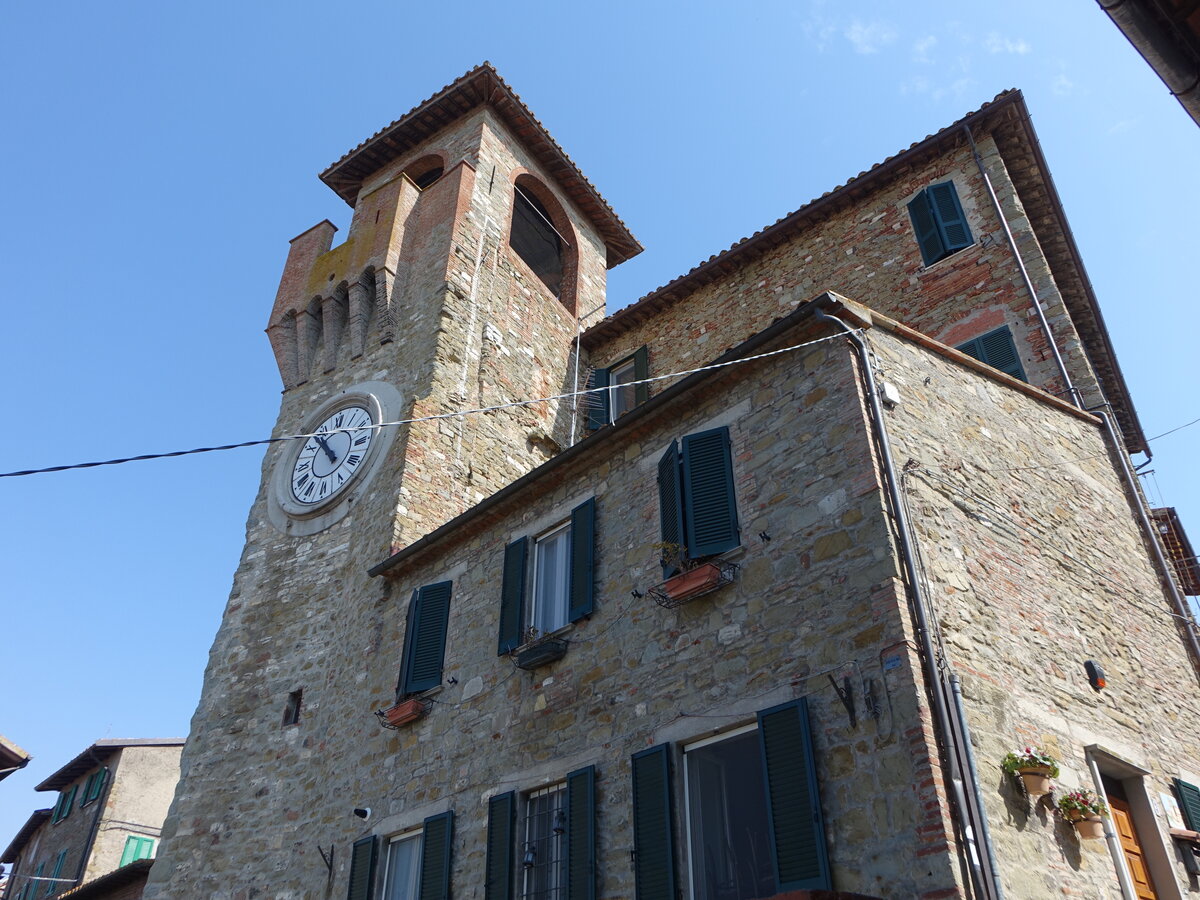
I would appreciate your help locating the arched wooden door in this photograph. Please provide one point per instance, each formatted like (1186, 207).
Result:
(1135, 857)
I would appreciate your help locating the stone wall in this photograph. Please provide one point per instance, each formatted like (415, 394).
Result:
(869, 252)
(1035, 563)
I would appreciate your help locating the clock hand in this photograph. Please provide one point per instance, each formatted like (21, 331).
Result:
(325, 446)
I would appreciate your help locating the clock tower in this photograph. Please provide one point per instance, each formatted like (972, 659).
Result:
(476, 253)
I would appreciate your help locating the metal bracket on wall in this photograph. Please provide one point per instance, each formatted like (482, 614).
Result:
(846, 695)
(328, 860)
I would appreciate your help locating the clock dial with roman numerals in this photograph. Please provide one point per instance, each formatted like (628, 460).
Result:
(329, 459)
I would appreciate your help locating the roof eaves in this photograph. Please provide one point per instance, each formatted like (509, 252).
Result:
(782, 229)
(95, 754)
(31, 825)
(482, 86)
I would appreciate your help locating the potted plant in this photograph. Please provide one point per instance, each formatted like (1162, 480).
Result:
(539, 649)
(693, 577)
(401, 713)
(1035, 766)
(1086, 811)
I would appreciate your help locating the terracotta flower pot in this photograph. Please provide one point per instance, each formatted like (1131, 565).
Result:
(403, 713)
(1036, 780)
(1073, 815)
(1090, 828)
(695, 581)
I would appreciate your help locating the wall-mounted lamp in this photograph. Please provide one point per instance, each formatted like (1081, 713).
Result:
(530, 857)
(1096, 677)
(560, 822)
(363, 812)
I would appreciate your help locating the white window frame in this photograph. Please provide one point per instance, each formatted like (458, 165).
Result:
(562, 604)
(413, 834)
(615, 387)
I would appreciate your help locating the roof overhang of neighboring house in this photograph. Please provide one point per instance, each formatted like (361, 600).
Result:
(1167, 35)
(1007, 119)
(12, 757)
(31, 825)
(1179, 549)
(480, 87)
(95, 755)
(97, 888)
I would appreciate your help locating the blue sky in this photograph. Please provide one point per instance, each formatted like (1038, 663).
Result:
(159, 157)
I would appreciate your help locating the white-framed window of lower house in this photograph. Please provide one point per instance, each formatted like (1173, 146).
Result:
(402, 877)
(543, 856)
(622, 394)
(551, 579)
(728, 824)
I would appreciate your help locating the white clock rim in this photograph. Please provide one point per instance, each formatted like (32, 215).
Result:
(385, 403)
(373, 431)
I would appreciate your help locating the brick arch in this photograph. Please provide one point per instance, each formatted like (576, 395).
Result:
(534, 187)
(422, 166)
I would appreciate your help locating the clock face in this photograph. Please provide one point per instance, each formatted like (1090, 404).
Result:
(331, 457)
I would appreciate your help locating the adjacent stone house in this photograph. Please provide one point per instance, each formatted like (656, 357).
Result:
(103, 830)
(744, 591)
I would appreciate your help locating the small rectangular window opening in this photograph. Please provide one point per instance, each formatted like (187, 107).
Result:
(551, 580)
(291, 710)
(543, 856)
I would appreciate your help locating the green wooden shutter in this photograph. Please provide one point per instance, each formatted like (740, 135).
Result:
(512, 596)
(653, 825)
(999, 350)
(580, 814)
(137, 848)
(641, 371)
(502, 811)
(943, 199)
(710, 509)
(436, 845)
(53, 887)
(797, 834)
(33, 885)
(583, 554)
(425, 642)
(670, 501)
(1189, 802)
(597, 402)
(362, 869)
(929, 238)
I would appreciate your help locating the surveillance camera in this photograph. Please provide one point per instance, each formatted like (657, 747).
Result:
(363, 812)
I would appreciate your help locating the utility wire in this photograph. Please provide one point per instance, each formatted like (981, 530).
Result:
(1173, 430)
(431, 418)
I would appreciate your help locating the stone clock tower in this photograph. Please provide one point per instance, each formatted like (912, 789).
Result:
(476, 253)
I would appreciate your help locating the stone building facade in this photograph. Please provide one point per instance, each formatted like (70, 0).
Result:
(111, 802)
(910, 555)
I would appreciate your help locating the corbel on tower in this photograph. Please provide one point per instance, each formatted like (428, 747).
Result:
(384, 281)
(360, 313)
(308, 332)
(282, 335)
(332, 318)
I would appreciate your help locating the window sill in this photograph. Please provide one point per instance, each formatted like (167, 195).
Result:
(926, 267)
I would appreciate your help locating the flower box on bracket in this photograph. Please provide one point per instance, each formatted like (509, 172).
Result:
(542, 653)
(401, 714)
(706, 577)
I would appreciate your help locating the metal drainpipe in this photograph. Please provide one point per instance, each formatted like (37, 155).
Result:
(1110, 836)
(1012, 245)
(1164, 567)
(987, 884)
(961, 713)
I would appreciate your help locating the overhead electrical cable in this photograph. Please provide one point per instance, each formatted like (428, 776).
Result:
(431, 418)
